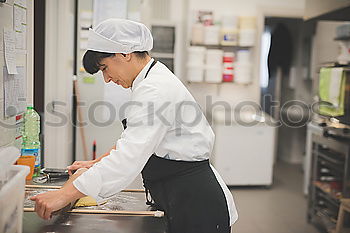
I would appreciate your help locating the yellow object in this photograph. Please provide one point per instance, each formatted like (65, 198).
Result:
(89, 79)
(86, 201)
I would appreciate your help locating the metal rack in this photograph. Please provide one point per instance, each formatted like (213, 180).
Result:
(329, 181)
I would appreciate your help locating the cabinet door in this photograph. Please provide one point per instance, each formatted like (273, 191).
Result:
(244, 155)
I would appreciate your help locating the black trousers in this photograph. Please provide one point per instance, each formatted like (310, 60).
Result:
(189, 194)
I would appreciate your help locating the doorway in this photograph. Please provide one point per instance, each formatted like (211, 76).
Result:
(286, 86)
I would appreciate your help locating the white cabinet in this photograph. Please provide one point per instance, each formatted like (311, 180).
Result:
(244, 155)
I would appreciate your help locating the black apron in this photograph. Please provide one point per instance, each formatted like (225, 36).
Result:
(188, 192)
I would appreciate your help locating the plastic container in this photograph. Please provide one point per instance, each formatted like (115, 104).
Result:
(195, 73)
(247, 37)
(196, 55)
(213, 58)
(247, 22)
(211, 35)
(243, 77)
(228, 67)
(31, 142)
(197, 36)
(12, 185)
(228, 57)
(243, 73)
(243, 56)
(227, 77)
(206, 17)
(228, 74)
(213, 75)
(229, 30)
(229, 36)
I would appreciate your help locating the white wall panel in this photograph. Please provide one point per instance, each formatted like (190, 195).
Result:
(58, 80)
(7, 130)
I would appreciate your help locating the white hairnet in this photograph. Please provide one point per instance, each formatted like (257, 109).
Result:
(120, 36)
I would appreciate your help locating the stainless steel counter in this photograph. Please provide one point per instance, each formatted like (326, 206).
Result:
(99, 223)
(93, 223)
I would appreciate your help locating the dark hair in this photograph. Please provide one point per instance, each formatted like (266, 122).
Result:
(92, 59)
(141, 54)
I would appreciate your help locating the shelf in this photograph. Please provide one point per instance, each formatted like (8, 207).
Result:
(333, 144)
(330, 162)
(332, 157)
(326, 214)
(329, 182)
(335, 168)
(222, 46)
(342, 38)
(322, 221)
(327, 221)
(333, 171)
(329, 196)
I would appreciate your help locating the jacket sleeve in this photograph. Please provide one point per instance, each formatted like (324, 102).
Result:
(149, 118)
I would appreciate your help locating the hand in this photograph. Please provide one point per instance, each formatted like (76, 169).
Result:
(48, 202)
(79, 164)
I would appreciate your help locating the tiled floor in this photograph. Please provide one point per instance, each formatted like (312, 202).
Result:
(278, 209)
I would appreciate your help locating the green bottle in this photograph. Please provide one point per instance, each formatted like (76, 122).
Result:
(30, 134)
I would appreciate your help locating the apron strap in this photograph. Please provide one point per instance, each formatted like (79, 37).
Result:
(149, 69)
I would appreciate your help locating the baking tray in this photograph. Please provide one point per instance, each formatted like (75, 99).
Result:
(129, 202)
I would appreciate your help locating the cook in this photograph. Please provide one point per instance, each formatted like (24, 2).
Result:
(166, 138)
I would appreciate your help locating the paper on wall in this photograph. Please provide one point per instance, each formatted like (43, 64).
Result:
(24, 16)
(20, 26)
(9, 47)
(17, 18)
(20, 40)
(15, 92)
(22, 3)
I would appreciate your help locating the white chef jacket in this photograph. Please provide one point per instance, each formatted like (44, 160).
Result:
(163, 118)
